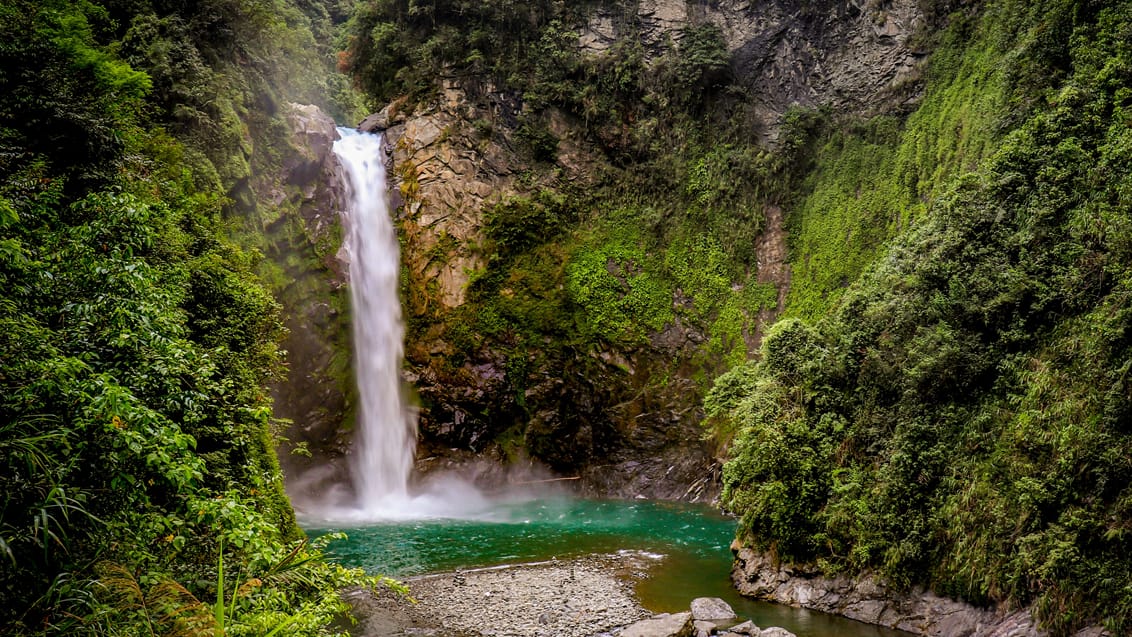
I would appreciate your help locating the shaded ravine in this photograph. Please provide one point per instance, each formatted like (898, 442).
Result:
(406, 531)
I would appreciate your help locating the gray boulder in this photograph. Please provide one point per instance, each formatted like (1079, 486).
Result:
(677, 625)
(703, 628)
(375, 123)
(711, 608)
(382, 120)
(747, 628)
(776, 632)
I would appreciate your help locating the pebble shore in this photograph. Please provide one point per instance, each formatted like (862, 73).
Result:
(564, 598)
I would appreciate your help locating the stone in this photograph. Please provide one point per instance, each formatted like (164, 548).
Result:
(705, 608)
(868, 599)
(676, 625)
(598, 35)
(312, 131)
(422, 132)
(374, 123)
(703, 628)
(775, 631)
(746, 628)
(383, 120)
(867, 610)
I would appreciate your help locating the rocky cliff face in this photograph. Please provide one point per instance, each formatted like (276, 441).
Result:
(625, 419)
(846, 55)
(584, 414)
(316, 395)
(442, 179)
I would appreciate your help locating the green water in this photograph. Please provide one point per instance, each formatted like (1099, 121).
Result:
(693, 540)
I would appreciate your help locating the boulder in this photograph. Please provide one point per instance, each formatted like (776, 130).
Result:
(382, 120)
(710, 608)
(374, 123)
(677, 625)
(313, 132)
(775, 631)
(747, 628)
(702, 628)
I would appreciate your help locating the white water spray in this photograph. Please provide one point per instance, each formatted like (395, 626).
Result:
(385, 436)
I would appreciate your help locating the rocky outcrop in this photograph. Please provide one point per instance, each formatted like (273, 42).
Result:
(674, 625)
(599, 416)
(852, 56)
(870, 600)
(311, 173)
(846, 55)
(302, 243)
(445, 174)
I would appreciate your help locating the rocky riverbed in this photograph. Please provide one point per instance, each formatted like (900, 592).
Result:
(586, 597)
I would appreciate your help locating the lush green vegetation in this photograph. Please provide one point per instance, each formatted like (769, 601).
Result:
(946, 404)
(959, 415)
(139, 491)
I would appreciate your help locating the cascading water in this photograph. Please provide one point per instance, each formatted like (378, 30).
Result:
(381, 460)
(385, 435)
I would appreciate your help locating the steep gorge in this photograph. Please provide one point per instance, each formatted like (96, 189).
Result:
(595, 209)
(541, 330)
(870, 257)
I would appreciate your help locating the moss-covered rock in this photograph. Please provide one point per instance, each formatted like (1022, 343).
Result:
(316, 396)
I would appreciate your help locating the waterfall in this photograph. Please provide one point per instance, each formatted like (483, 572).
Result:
(385, 439)
(385, 435)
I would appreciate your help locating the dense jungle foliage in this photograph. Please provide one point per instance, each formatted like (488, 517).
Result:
(960, 416)
(139, 490)
(946, 403)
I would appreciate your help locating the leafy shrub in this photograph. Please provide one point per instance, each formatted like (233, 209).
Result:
(537, 139)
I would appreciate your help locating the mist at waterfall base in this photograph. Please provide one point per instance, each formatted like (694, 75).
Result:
(382, 452)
